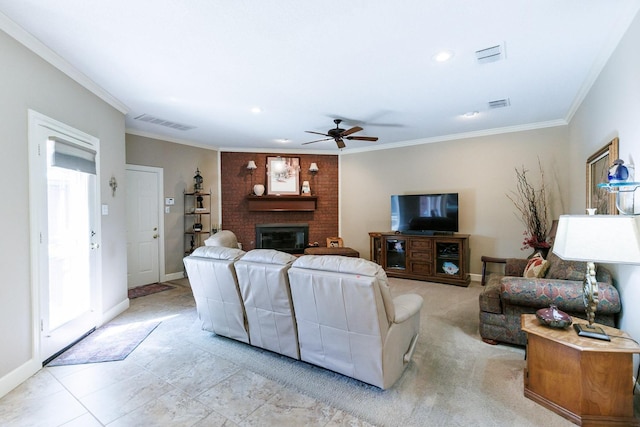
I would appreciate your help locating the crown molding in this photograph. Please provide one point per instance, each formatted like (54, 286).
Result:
(465, 135)
(44, 52)
(171, 139)
(608, 48)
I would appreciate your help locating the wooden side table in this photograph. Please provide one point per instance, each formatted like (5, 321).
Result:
(587, 381)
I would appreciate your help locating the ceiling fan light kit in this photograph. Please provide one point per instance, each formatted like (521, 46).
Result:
(338, 135)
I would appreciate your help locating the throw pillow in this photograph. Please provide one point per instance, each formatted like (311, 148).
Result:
(536, 267)
(565, 270)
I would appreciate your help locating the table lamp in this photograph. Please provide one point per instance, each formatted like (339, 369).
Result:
(609, 239)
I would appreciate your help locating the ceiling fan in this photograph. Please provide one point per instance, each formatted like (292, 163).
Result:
(338, 135)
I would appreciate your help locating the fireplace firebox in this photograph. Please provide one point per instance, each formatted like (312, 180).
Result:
(291, 238)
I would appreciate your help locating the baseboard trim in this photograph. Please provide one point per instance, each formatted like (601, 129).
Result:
(173, 276)
(115, 311)
(19, 375)
(475, 277)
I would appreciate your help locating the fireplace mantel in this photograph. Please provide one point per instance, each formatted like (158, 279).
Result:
(282, 203)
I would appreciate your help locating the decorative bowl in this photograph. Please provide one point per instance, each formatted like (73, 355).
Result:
(553, 317)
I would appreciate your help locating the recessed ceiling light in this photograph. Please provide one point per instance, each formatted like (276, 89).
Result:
(283, 140)
(256, 110)
(443, 56)
(471, 114)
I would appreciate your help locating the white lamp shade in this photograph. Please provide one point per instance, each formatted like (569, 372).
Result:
(613, 239)
(313, 167)
(252, 165)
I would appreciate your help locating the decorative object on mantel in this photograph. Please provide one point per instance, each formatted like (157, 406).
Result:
(531, 203)
(197, 182)
(553, 317)
(611, 239)
(306, 189)
(258, 189)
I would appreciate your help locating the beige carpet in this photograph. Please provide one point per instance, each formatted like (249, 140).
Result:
(454, 379)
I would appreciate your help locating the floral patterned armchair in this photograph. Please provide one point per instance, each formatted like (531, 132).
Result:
(506, 298)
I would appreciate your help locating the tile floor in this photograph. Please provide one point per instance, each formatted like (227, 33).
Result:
(190, 388)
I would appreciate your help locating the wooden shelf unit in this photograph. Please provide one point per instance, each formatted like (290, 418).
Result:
(435, 258)
(193, 214)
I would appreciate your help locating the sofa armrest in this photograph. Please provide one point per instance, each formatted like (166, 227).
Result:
(567, 295)
(515, 267)
(406, 306)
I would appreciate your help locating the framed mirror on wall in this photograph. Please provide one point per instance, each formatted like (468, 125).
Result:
(597, 167)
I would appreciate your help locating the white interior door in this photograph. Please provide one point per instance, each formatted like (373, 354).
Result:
(66, 227)
(143, 225)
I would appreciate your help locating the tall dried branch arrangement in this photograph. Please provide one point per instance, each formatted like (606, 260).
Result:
(531, 203)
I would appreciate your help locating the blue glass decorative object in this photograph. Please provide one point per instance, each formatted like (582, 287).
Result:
(618, 172)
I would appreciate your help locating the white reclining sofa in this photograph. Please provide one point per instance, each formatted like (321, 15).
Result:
(347, 320)
(332, 311)
(264, 287)
(212, 275)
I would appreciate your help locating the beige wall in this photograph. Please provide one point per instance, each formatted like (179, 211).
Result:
(611, 109)
(480, 169)
(179, 163)
(28, 82)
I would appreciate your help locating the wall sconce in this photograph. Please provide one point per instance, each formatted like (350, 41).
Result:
(251, 166)
(313, 168)
(113, 184)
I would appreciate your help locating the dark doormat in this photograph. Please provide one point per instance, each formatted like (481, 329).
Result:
(145, 290)
(108, 343)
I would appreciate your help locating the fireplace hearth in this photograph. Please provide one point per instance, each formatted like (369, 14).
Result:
(291, 238)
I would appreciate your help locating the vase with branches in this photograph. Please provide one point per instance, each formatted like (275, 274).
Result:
(531, 205)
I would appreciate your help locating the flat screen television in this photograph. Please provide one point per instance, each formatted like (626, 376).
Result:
(425, 213)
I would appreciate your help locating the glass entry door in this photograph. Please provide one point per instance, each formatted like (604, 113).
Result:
(69, 238)
(65, 230)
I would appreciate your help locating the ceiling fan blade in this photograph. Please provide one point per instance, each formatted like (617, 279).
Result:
(317, 140)
(352, 130)
(317, 133)
(340, 143)
(363, 138)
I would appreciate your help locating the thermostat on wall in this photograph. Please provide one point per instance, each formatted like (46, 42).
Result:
(169, 201)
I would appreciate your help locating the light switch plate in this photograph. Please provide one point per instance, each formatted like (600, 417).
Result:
(105, 209)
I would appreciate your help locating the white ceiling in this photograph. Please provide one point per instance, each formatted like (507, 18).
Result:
(207, 63)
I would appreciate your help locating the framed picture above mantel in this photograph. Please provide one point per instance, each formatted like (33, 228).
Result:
(283, 176)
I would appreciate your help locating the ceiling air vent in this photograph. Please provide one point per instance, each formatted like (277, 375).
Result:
(157, 121)
(490, 54)
(499, 103)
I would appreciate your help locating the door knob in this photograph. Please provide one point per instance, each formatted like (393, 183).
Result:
(155, 236)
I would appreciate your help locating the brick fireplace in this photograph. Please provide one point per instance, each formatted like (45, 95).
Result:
(236, 183)
(288, 237)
